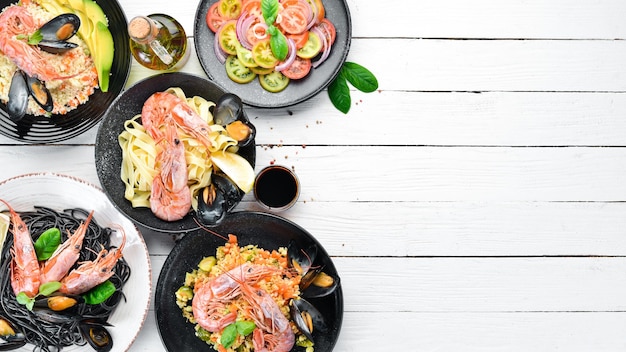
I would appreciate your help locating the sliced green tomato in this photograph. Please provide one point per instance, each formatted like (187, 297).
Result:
(230, 9)
(245, 56)
(237, 71)
(262, 54)
(274, 82)
(227, 36)
(261, 70)
(312, 47)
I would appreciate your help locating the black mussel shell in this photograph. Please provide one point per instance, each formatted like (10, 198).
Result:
(60, 28)
(316, 283)
(301, 259)
(56, 47)
(37, 89)
(11, 337)
(55, 317)
(18, 96)
(300, 306)
(228, 108)
(97, 335)
(217, 199)
(59, 302)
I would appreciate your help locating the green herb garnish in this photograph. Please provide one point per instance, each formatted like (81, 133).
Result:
(100, 293)
(32, 39)
(44, 290)
(47, 243)
(358, 76)
(231, 331)
(278, 42)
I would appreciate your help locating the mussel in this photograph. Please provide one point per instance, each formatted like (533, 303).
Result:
(23, 86)
(315, 281)
(97, 335)
(217, 199)
(11, 337)
(59, 302)
(57, 31)
(230, 114)
(307, 318)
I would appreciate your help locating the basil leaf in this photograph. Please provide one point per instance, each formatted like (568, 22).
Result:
(269, 8)
(35, 38)
(229, 334)
(278, 44)
(47, 243)
(339, 93)
(22, 298)
(100, 293)
(245, 327)
(360, 77)
(49, 287)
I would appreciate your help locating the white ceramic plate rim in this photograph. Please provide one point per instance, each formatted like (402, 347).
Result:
(58, 191)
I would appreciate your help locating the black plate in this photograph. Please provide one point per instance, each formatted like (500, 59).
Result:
(108, 153)
(41, 129)
(298, 90)
(265, 230)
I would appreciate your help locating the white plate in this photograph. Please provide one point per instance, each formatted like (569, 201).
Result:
(60, 192)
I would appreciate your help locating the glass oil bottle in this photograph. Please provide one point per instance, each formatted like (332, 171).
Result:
(158, 42)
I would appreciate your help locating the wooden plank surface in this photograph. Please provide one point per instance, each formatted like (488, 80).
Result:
(476, 201)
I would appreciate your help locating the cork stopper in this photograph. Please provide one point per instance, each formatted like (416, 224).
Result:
(141, 27)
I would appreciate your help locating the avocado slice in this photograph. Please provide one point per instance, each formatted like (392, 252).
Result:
(103, 56)
(94, 11)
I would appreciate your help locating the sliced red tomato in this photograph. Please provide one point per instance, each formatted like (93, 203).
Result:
(256, 33)
(253, 7)
(299, 39)
(227, 36)
(298, 69)
(230, 9)
(293, 20)
(262, 54)
(328, 28)
(213, 18)
(321, 12)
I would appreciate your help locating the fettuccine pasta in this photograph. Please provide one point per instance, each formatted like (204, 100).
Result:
(139, 152)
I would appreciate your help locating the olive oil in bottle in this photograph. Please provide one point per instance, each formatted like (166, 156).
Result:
(158, 42)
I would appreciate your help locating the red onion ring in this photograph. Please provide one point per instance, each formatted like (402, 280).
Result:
(244, 22)
(262, 25)
(219, 52)
(291, 56)
(325, 46)
(314, 11)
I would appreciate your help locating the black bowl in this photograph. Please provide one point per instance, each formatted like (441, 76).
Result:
(265, 230)
(41, 129)
(108, 154)
(298, 90)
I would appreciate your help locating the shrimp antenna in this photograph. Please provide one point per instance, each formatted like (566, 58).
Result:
(209, 230)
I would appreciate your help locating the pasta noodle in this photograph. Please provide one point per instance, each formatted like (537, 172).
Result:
(47, 335)
(139, 152)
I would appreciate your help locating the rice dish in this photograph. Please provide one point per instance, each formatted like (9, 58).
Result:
(76, 65)
(282, 286)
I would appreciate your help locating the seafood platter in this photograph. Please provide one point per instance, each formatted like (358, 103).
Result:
(317, 67)
(62, 64)
(88, 291)
(163, 184)
(206, 272)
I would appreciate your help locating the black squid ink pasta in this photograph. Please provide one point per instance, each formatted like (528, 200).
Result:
(52, 332)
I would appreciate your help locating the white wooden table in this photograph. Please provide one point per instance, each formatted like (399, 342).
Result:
(477, 201)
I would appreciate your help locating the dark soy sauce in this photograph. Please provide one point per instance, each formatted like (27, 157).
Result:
(276, 187)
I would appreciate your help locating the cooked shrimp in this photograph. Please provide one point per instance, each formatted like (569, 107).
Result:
(15, 22)
(92, 273)
(61, 261)
(210, 299)
(24, 265)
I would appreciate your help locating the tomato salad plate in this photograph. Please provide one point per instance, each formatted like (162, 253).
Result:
(249, 253)
(160, 124)
(272, 53)
(61, 315)
(52, 88)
